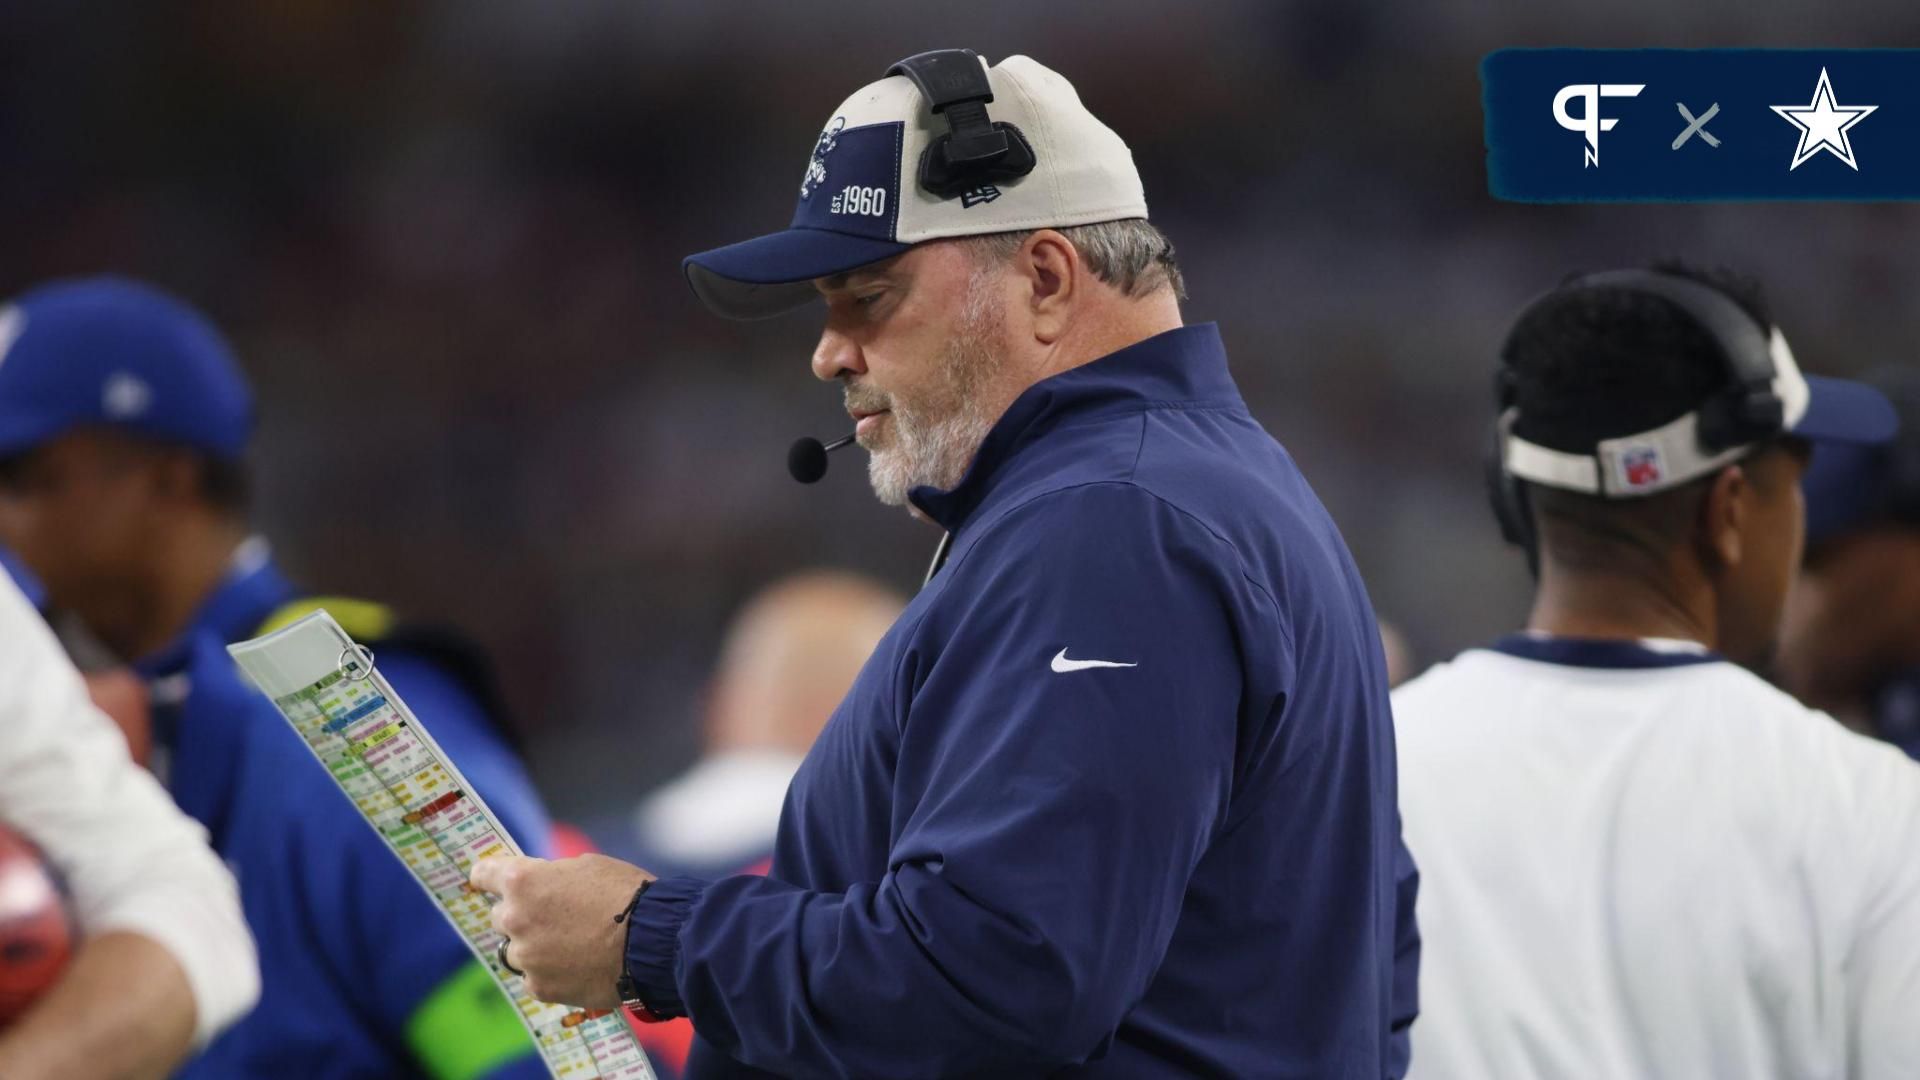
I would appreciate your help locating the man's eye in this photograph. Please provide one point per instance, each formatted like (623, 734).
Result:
(867, 300)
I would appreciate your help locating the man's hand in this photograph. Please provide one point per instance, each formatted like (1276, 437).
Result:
(559, 918)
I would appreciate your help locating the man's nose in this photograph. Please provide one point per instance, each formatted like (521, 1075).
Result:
(837, 355)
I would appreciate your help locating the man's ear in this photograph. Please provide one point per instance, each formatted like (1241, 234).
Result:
(1053, 272)
(1724, 515)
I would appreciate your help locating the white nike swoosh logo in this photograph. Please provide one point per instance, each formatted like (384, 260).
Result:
(1061, 663)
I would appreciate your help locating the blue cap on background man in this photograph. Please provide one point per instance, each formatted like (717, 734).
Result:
(1850, 488)
(110, 352)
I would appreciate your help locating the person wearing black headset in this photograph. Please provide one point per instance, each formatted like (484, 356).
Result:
(1115, 795)
(1638, 858)
(1851, 643)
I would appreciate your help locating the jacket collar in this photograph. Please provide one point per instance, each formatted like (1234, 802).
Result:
(1186, 366)
(252, 589)
(1608, 653)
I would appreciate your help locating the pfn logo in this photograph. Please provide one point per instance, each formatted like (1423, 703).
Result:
(1589, 122)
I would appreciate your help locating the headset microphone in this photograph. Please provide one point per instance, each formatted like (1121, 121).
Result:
(807, 457)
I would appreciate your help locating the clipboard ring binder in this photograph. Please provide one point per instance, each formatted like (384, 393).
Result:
(356, 652)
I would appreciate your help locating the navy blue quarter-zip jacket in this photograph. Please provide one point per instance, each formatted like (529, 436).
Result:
(1115, 796)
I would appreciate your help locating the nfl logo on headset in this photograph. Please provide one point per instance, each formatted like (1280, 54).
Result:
(1640, 467)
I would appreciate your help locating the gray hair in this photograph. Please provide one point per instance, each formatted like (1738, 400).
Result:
(1131, 254)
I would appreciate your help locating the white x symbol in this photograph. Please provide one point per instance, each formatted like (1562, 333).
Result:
(1697, 127)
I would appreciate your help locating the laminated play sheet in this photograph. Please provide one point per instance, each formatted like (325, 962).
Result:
(382, 757)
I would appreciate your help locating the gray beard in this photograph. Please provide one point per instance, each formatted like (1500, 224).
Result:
(935, 454)
(935, 440)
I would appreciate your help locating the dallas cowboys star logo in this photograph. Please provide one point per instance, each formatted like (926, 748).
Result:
(1823, 125)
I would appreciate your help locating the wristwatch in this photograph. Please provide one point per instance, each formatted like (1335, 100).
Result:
(629, 990)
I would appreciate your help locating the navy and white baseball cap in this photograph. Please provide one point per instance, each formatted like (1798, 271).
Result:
(107, 351)
(860, 201)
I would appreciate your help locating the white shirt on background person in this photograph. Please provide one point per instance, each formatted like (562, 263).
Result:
(1640, 860)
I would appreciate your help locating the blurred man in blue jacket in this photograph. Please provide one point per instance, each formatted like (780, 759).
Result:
(1850, 643)
(1115, 795)
(123, 418)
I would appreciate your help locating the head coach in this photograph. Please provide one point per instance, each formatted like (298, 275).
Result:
(1115, 796)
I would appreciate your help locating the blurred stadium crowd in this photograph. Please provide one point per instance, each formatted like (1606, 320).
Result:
(445, 239)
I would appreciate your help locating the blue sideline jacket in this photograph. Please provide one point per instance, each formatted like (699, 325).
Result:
(1115, 797)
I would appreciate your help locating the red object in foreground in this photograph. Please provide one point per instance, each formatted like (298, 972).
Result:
(36, 929)
(569, 840)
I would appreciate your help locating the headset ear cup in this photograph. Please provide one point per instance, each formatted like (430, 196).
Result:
(1504, 492)
(1740, 416)
(1507, 496)
(941, 176)
(1520, 507)
(1717, 429)
(1764, 413)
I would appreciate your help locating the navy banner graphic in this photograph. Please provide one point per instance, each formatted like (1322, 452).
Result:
(1675, 125)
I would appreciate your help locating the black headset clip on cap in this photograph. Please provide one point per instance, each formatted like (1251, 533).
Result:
(975, 150)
